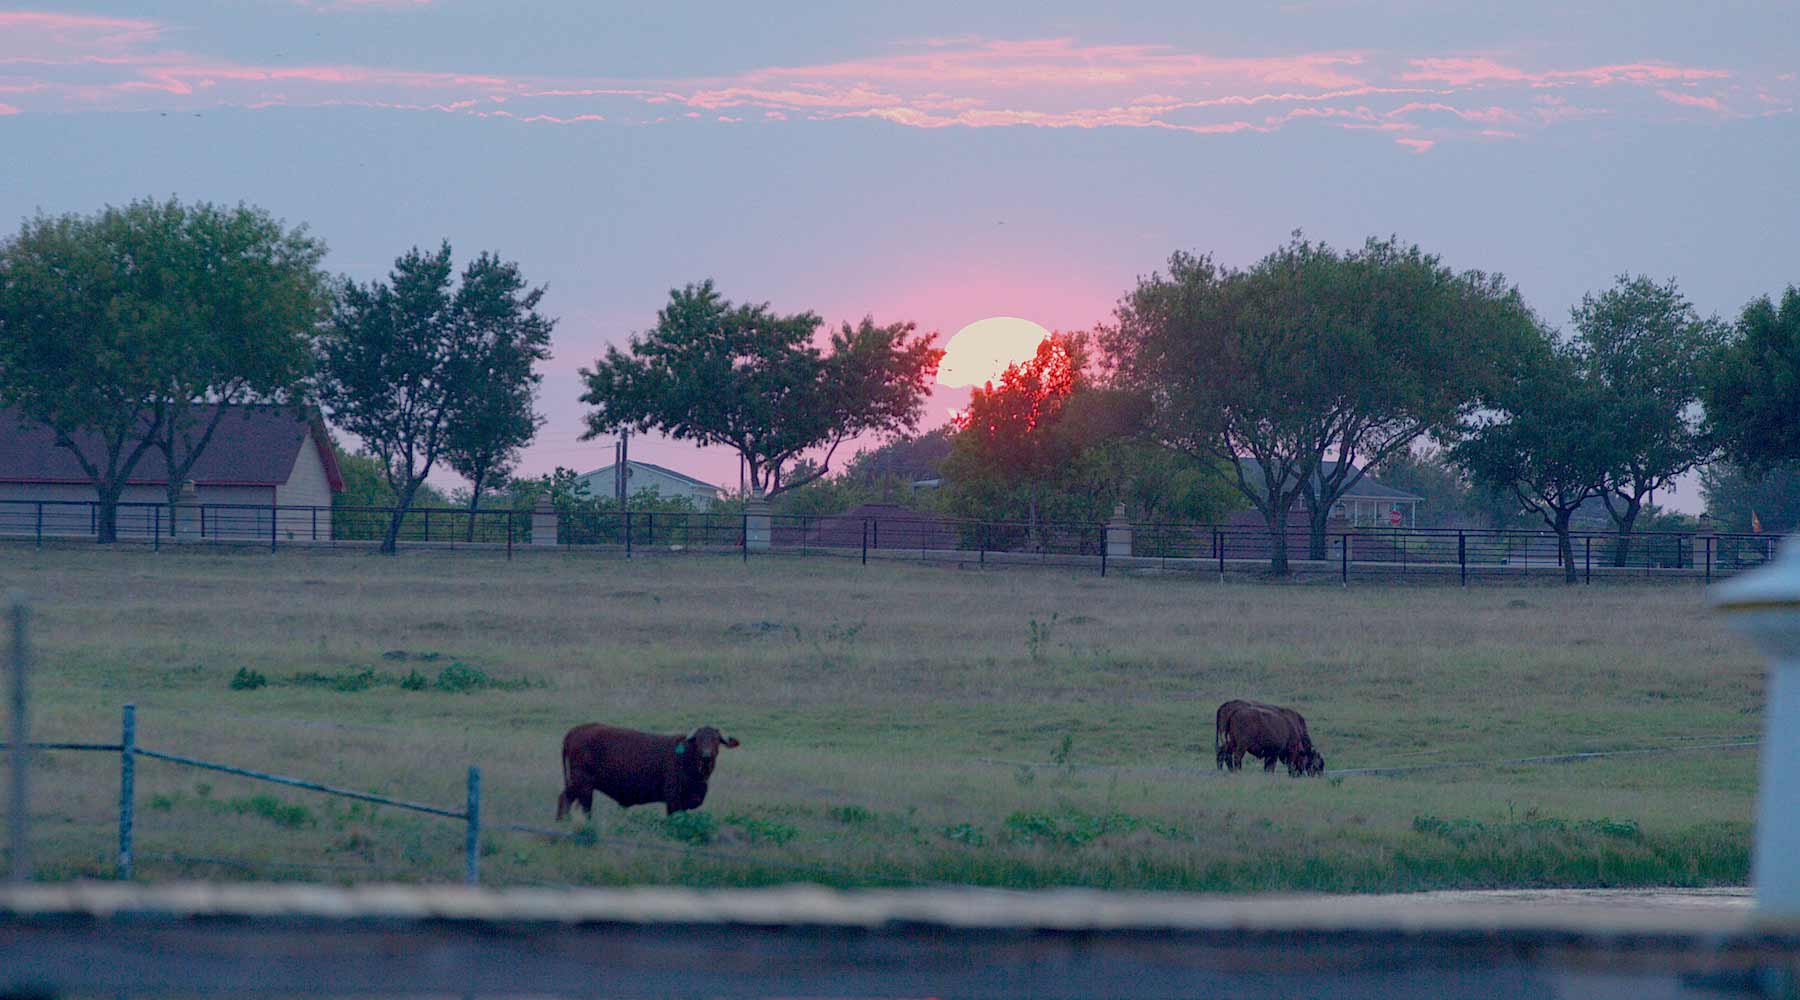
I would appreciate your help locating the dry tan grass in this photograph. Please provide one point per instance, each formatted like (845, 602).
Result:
(867, 699)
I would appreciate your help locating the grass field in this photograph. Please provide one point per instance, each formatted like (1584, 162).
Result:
(873, 703)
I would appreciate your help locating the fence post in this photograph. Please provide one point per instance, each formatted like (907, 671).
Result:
(315, 524)
(127, 787)
(744, 539)
(40, 524)
(1587, 559)
(1462, 556)
(1708, 558)
(20, 734)
(472, 845)
(865, 547)
(509, 533)
(274, 518)
(628, 534)
(156, 529)
(1344, 554)
(650, 527)
(1219, 547)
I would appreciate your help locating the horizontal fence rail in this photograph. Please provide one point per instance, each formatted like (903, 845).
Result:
(129, 751)
(897, 534)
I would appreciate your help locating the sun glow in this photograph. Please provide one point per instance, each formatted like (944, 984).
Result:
(979, 352)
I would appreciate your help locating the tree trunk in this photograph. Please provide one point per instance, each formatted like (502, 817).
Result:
(1622, 550)
(474, 505)
(106, 529)
(390, 543)
(1565, 547)
(1278, 549)
(1320, 516)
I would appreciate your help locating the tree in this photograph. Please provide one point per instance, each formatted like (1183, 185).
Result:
(751, 380)
(1752, 386)
(1009, 432)
(1645, 346)
(1310, 355)
(116, 328)
(1734, 493)
(1551, 442)
(504, 337)
(1450, 499)
(401, 367)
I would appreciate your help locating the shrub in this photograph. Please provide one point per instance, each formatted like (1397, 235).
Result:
(248, 680)
(691, 827)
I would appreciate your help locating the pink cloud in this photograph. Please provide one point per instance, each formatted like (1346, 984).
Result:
(1692, 100)
(7, 109)
(74, 63)
(1417, 145)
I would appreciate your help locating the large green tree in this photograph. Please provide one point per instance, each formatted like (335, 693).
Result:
(401, 364)
(504, 338)
(1645, 346)
(1312, 355)
(754, 381)
(116, 327)
(1744, 500)
(1551, 440)
(1752, 386)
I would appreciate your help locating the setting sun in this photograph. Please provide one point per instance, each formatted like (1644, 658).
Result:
(979, 352)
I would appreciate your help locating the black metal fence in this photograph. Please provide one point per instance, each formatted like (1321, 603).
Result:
(896, 533)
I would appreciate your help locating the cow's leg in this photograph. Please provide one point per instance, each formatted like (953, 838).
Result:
(1269, 764)
(1237, 758)
(562, 805)
(586, 798)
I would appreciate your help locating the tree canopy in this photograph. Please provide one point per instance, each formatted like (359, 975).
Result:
(1312, 354)
(405, 360)
(1752, 388)
(1551, 441)
(1643, 345)
(119, 326)
(752, 380)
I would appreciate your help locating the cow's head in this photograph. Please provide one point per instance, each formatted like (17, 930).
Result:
(1315, 763)
(700, 751)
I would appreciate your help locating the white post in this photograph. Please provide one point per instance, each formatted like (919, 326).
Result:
(756, 523)
(1118, 535)
(543, 522)
(187, 513)
(1765, 605)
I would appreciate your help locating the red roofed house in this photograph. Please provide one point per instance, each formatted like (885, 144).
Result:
(260, 458)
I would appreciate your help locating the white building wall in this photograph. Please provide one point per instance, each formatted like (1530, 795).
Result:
(308, 490)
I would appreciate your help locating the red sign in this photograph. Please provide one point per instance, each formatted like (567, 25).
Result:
(1394, 517)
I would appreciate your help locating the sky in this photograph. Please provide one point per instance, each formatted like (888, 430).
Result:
(935, 162)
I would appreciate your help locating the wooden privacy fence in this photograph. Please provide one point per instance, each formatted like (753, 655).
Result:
(129, 751)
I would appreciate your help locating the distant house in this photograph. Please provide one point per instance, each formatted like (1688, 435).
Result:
(260, 458)
(1366, 504)
(640, 476)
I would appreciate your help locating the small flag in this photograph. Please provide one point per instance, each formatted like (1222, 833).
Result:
(1755, 523)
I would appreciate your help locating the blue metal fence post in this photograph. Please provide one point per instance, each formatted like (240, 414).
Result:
(509, 533)
(1462, 556)
(472, 845)
(628, 534)
(40, 524)
(156, 529)
(272, 521)
(865, 544)
(1587, 560)
(127, 787)
(1344, 554)
(1708, 558)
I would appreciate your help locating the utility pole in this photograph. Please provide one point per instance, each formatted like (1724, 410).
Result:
(622, 468)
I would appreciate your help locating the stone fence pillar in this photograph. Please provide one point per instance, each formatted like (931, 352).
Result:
(1118, 535)
(1765, 605)
(756, 523)
(543, 522)
(187, 514)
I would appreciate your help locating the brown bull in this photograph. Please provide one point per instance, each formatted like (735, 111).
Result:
(1269, 732)
(634, 768)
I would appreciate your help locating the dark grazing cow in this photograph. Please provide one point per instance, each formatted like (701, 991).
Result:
(1270, 732)
(633, 768)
